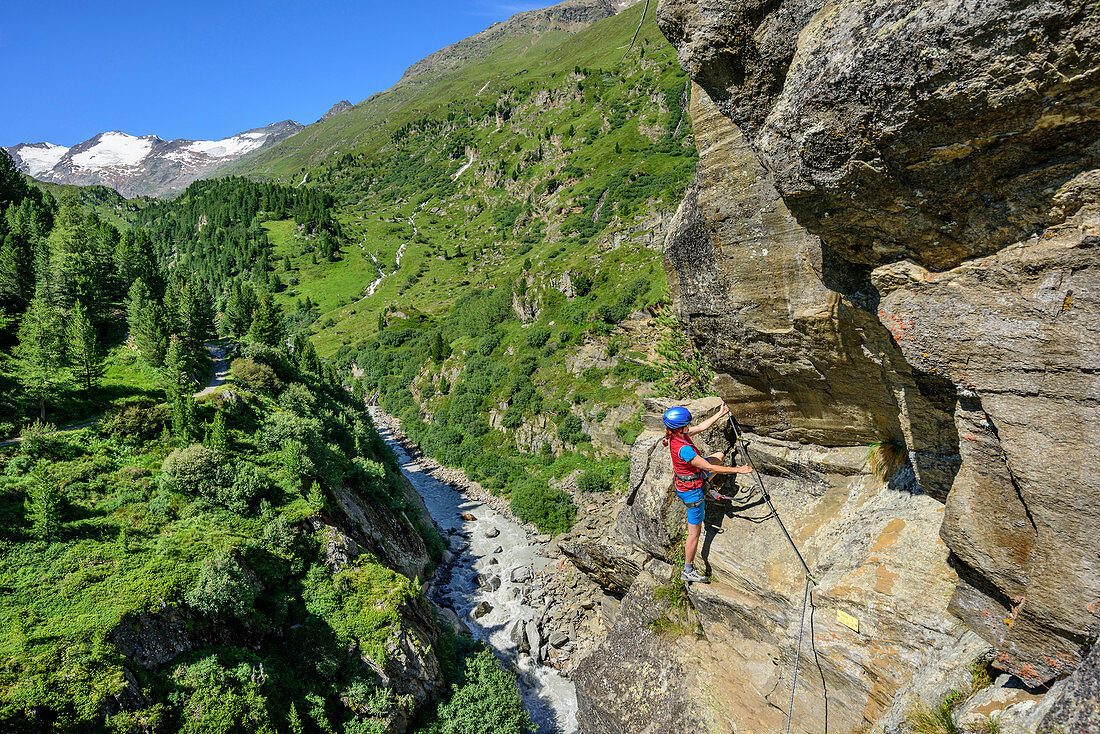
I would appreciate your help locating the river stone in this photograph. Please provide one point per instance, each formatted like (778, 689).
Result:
(467, 516)
(521, 574)
(518, 635)
(493, 561)
(534, 638)
(492, 533)
(558, 638)
(482, 609)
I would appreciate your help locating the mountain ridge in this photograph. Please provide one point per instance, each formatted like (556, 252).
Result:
(142, 165)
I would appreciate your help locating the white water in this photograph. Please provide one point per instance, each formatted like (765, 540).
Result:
(549, 697)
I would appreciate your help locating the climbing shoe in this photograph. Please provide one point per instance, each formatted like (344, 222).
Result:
(693, 577)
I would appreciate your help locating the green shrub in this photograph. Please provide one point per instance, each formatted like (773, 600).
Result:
(488, 343)
(551, 510)
(571, 430)
(194, 470)
(224, 588)
(139, 419)
(257, 376)
(221, 692)
(44, 503)
(582, 284)
(537, 337)
(512, 418)
(250, 484)
(590, 481)
(39, 440)
(486, 702)
(298, 399)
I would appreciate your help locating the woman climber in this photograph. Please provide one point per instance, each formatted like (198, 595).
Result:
(691, 474)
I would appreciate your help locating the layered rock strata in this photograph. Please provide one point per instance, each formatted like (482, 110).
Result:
(725, 656)
(892, 239)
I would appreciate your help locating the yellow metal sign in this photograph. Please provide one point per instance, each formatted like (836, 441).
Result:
(847, 620)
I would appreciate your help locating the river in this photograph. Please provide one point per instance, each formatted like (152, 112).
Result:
(492, 546)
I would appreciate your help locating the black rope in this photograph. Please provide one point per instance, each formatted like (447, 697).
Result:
(810, 581)
(744, 445)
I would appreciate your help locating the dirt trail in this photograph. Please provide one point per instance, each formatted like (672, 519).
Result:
(221, 368)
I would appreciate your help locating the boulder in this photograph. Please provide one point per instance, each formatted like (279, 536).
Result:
(1077, 707)
(492, 533)
(534, 637)
(558, 638)
(482, 609)
(520, 575)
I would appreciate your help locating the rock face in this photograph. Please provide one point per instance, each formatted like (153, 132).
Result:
(936, 132)
(875, 551)
(892, 238)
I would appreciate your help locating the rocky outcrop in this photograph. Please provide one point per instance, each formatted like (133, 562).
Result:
(936, 132)
(391, 538)
(875, 552)
(570, 16)
(1077, 707)
(635, 682)
(900, 247)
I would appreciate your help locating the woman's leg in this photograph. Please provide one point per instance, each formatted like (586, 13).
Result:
(692, 542)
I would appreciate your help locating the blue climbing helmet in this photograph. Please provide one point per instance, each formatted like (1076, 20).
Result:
(677, 417)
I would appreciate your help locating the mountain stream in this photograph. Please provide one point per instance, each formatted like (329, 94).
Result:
(497, 550)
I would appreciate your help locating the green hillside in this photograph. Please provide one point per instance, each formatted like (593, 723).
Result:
(552, 159)
(478, 249)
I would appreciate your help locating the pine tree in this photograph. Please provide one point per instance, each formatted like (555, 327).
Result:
(85, 354)
(148, 327)
(195, 318)
(11, 282)
(44, 503)
(41, 352)
(309, 361)
(237, 319)
(81, 260)
(139, 296)
(219, 433)
(178, 387)
(267, 324)
(440, 348)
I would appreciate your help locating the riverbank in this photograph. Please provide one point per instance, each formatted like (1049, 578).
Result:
(454, 477)
(528, 601)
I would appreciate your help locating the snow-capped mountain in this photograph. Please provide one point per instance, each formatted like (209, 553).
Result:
(142, 166)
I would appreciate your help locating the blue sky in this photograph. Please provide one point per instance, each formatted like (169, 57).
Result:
(205, 70)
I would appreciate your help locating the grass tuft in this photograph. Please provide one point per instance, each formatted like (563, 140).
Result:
(886, 458)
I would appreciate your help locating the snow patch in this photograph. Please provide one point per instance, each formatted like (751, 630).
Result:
(41, 157)
(114, 149)
(237, 145)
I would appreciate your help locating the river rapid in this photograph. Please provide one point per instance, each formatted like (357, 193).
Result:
(495, 561)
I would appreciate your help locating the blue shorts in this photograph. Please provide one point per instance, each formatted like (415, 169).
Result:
(695, 514)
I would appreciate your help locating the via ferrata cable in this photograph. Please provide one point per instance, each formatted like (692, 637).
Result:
(810, 580)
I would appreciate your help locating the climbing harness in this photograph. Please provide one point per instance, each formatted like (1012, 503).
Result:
(686, 478)
(810, 580)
